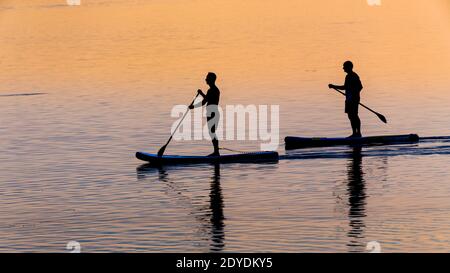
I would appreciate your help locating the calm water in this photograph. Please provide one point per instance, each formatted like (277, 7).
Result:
(83, 88)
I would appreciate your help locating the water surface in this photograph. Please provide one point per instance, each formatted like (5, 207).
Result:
(83, 88)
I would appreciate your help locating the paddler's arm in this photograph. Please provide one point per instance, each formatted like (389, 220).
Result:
(199, 104)
(339, 87)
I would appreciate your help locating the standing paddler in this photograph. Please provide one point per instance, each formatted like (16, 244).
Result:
(352, 87)
(211, 99)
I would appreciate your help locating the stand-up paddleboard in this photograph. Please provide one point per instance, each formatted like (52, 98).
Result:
(255, 157)
(303, 142)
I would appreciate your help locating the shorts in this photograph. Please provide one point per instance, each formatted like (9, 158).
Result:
(351, 107)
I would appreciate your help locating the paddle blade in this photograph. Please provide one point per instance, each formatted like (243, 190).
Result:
(383, 118)
(161, 151)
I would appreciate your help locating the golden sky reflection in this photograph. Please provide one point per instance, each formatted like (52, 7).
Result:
(297, 42)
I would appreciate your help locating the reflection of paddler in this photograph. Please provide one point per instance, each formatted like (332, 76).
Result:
(352, 87)
(217, 216)
(356, 189)
(211, 99)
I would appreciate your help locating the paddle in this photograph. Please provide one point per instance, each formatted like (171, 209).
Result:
(163, 148)
(380, 116)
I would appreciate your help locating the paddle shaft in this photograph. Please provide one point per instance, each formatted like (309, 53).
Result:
(176, 128)
(376, 113)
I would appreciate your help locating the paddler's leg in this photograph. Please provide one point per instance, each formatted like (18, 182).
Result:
(352, 111)
(216, 147)
(214, 140)
(348, 110)
(357, 120)
(352, 123)
(356, 124)
(212, 124)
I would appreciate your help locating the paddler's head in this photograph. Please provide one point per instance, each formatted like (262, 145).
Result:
(348, 66)
(211, 78)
